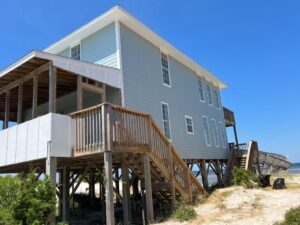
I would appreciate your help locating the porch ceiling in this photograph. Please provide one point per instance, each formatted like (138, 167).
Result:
(34, 59)
(67, 72)
(66, 83)
(21, 71)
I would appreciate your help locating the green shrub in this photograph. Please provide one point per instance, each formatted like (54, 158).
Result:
(243, 178)
(36, 199)
(26, 201)
(292, 217)
(184, 212)
(62, 223)
(7, 218)
(9, 187)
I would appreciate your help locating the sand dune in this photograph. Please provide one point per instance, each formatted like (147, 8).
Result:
(236, 205)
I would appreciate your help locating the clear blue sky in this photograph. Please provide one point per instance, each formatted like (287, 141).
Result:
(253, 46)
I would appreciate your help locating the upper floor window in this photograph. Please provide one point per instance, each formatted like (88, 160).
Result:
(166, 119)
(209, 94)
(189, 125)
(215, 132)
(165, 70)
(206, 131)
(200, 88)
(75, 52)
(217, 98)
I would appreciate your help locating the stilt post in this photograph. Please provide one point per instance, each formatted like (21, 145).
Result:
(20, 104)
(172, 181)
(148, 188)
(204, 174)
(110, 219)
(109, 188)
(51, 167)
(92, 189)
(7, 106)
(65, 193)
(126, 194)
(52, 88)
(34, 96)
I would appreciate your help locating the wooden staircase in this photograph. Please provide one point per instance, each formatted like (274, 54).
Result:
(244, 156)
(132, 135)
(242, 161)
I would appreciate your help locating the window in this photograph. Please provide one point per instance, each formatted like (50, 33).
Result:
(166, 119)
(201, 91)
(75, 52)
(222, 132)
(209, 95)
(189, 125)
(206, 131)
(217, 98)
(215, 132)
(165, 70)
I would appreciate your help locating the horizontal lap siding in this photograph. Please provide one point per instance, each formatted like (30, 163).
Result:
(65, 53)
(99, 48)
(144, 91)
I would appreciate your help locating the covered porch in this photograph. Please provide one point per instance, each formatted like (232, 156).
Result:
(37, 94)
(42, 83)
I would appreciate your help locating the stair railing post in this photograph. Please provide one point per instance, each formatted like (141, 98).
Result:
(150, 134)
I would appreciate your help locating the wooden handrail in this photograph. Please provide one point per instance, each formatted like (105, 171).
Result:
(130, 128)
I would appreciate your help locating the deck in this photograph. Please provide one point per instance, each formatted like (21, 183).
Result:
(123, 131)
(105, 136)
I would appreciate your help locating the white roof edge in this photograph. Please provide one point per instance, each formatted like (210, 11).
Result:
(47, 56)
(82, 28)
(22, 60)
(107, 75)
(120, 14)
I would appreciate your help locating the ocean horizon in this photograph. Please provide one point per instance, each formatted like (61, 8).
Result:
(212, 178)
(294, 169)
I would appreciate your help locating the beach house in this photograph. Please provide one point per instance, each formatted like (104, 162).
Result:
(114, 93)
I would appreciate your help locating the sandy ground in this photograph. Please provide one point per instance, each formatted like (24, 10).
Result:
(236, 205)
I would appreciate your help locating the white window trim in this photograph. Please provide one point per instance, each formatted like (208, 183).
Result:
(216, 92)
(217, 133)
(202, 79)
(186, 125)
(169, 70)
(225, 134)
(74, 45)
(211, 94)
(220, 101)
(165, 103)
(209, 145)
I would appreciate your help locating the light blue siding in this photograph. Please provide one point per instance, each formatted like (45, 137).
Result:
(144, 91)
(65, 53)
(100, 47)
